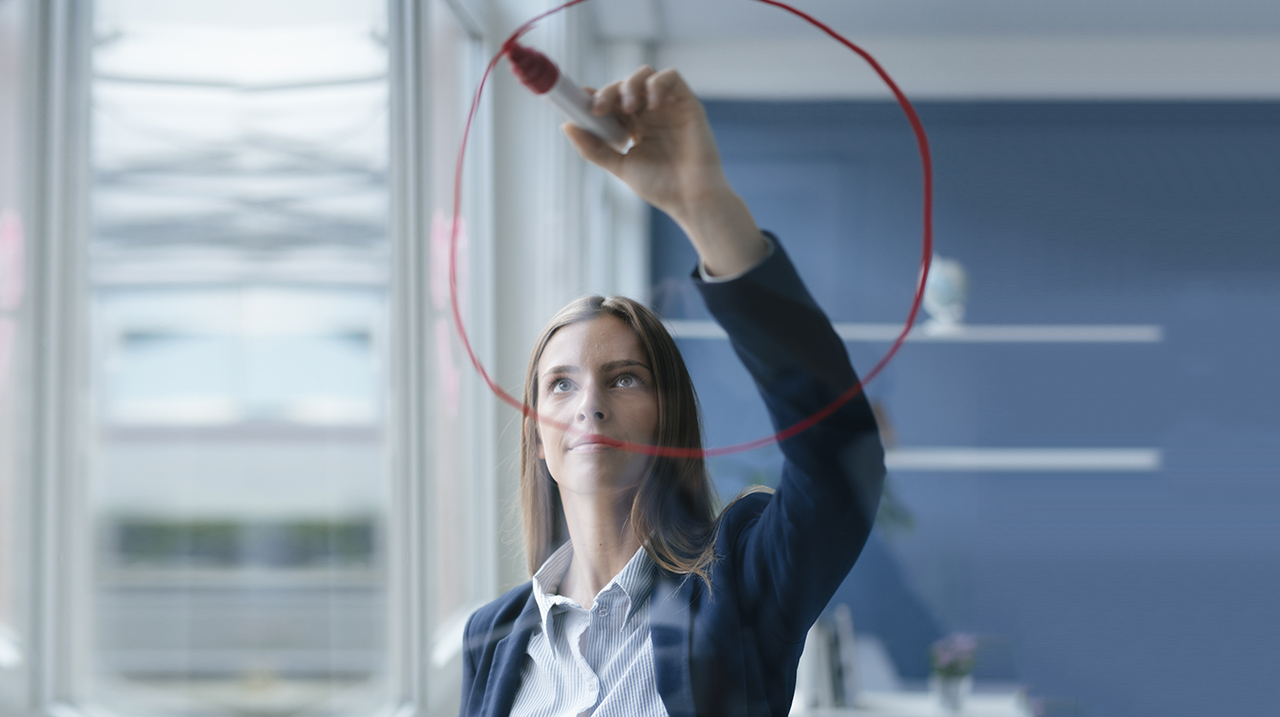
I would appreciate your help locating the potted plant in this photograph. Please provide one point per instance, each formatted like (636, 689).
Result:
(952, 658)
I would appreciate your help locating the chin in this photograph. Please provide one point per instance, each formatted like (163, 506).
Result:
(604, 473)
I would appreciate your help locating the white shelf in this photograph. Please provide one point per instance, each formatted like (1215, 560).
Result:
(964, 333)
(920, 704)
(1024, 460)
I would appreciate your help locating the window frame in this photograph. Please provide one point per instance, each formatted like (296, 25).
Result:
(426, 658)
(57, 552)
(55, 125)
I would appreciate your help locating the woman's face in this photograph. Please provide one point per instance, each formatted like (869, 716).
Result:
(593, 375)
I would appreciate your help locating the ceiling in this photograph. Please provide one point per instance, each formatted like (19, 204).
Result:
(662, 20)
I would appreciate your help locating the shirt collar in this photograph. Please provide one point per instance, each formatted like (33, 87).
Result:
(635, 579)
(548, 578)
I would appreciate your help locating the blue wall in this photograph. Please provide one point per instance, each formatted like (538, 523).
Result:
(1112, 594)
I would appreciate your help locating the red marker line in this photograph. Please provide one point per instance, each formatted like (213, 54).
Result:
(922, 142)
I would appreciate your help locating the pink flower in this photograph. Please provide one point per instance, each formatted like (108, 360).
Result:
(953, 655)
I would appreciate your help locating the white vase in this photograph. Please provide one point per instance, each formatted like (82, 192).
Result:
(951, 691)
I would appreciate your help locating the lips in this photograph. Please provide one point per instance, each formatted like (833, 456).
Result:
(594, 442)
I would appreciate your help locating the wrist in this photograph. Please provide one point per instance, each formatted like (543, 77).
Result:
(706, 205)
(723, 232)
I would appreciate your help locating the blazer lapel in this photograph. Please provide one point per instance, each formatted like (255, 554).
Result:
(508, 662)
(670, 619)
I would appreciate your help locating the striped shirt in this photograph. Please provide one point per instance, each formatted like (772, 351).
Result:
(596, 662)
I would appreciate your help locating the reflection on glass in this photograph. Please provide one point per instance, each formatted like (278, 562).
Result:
(12, 290)
(239, 271)
(455, 555)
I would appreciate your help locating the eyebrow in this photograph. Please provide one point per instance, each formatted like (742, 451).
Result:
(610, 366)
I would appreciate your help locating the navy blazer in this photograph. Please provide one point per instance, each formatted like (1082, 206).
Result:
(733, 649)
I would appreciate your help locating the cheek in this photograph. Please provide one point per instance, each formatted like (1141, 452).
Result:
(539, 446)
(651, 419)
(554, 408)
(545, 434)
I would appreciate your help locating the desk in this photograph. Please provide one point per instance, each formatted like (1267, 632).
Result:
(923, 704)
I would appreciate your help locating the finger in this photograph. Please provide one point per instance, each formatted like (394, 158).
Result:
(592, 148)
(633, 89)
(606, 101)
(662, 86)
(591, 96)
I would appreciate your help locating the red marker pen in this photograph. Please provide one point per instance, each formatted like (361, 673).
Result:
(537, 72)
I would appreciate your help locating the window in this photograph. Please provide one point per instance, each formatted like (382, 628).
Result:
(261, 471)
(239, 309)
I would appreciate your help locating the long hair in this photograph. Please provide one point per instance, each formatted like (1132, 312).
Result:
(673, 513)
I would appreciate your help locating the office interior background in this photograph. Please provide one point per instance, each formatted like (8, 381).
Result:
(246, 467)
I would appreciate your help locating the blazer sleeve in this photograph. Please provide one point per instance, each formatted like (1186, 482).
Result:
(465, 707)
(790, 557)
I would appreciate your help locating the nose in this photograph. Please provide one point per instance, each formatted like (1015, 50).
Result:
(592, 405)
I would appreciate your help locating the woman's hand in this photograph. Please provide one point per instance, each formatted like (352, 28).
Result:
(675, 166)
(674, 163)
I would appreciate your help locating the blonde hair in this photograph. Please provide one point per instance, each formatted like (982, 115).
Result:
(673, 513)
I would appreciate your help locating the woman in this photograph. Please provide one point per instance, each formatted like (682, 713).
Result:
(642, 602)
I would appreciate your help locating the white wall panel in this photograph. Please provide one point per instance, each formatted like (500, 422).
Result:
(984, 68)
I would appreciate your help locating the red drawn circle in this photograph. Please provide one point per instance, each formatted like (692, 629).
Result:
(922, 142)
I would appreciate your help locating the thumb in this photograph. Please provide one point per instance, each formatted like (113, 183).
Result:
(592, 148)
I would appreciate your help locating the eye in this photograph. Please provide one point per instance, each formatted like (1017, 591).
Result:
(627, 380)
(560, 385)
